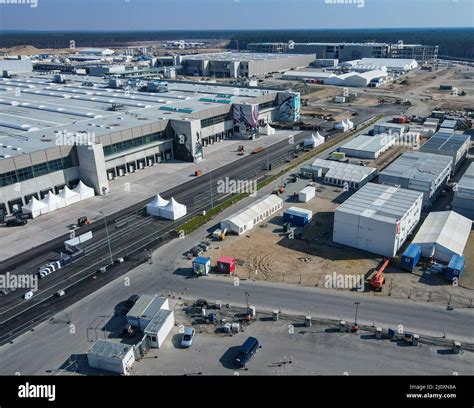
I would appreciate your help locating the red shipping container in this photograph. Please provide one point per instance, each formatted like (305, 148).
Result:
(226, 264)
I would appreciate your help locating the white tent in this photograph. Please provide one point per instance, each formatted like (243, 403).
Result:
(443, 234)
(350, 124)
(69, 196)
(267, 130)
(251, 215)
(342, 126)
(153, 207)
(53, 201)
(314, 141)
(35, 208)
(173, 210)
(84, 191)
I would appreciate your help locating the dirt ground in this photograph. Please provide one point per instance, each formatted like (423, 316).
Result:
(266, 253)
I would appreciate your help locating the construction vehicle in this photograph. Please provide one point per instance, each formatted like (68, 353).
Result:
(378, 279)
(240, 150)
(279, 190)
(198, 173)
(83, 221)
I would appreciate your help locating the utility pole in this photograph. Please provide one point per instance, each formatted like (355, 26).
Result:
(357, 309)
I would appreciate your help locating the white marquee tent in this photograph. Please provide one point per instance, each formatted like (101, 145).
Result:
(153, 207)
(251, 215)
(35, 208)
(69, 196)
(443, 234)
(173, 210)
(314, 140)
(84, 191)
(53, 201)
(267, 130)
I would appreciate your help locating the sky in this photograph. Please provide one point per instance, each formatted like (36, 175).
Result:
(123, 15)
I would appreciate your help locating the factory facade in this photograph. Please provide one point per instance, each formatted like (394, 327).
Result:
(351, 51)
(55, 134)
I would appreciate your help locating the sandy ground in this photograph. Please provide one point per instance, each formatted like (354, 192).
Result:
(267, 254)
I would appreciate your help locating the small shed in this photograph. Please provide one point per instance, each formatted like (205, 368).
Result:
(307, 194)
(202, 265)
(226, 264)
(111, 356)
(159, 327)
(297, 216)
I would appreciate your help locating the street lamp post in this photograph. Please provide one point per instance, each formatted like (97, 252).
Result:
(108, 238)
(247, 297)
(357, 308)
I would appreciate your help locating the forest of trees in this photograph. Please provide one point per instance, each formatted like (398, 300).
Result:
(452, 42)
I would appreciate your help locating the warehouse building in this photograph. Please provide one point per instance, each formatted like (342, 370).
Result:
(390, 129)
(424, 172)
(241, 65)
(443, 234)
(111, 356)
(377, 218)
(393, 65)
(463, 202)
(368, 147)
(454, 145)
(9, 67)
(253, 214)
(350, 79)
(54, 134)
(340, 174)
(423, 54)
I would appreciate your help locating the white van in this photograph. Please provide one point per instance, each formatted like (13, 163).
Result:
(28, 295)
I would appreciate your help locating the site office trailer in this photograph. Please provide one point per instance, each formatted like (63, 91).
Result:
(382, 235)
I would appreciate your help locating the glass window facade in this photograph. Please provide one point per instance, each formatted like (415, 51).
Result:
(133, 143)
(37, 170)
(215, 120)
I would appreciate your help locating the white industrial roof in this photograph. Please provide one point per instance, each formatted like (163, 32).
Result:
(445, 228)
(109, 349)
(466, 183)
(344, 171)
(381, 202)
(390, 63)
(254, 210)
(369, 143)
(418, 166)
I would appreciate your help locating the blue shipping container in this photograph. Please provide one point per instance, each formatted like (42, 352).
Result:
(295, 218)
(410, 257)
(455, 267)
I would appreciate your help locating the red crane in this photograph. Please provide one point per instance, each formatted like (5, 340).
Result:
(378, 279)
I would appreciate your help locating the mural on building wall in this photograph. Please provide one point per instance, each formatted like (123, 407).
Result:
(246, 119)
(289, 106)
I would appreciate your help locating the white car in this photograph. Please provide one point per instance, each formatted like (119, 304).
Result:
(28, 295)
(188, 336)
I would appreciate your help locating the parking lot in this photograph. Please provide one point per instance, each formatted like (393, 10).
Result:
(290, 348)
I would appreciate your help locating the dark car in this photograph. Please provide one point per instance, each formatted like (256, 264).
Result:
(130, 302)
(246, 352)
(201, 303)
(15, 222)
(196, 251)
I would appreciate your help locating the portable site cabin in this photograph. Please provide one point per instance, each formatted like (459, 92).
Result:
(443, 234)
(35, 208)
(410, 257)
(297, 216)
(248, 217)
(455, 268)
(202, 265)
(307, 194)
(226, 264)
(111, 356)
(153, 207)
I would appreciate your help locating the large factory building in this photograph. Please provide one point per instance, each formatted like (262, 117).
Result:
(55, 134)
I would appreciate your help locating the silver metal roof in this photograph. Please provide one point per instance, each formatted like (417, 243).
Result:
(369, 143)
(467, 180)
(241, 56)
(157, 321)
(446, 142)
(418, 166)
(344, 171)
(381, 202)
(109, 349)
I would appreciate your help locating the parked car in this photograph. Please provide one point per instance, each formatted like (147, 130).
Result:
(15, 222)
(204, 245)
(188, 336)
(200, 303)
(196, 251)
(246, 352)
(60, 293)
(28, 295)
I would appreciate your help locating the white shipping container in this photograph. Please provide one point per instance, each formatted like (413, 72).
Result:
(307, 194)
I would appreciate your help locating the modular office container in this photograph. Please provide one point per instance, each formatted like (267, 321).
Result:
(307, 194)
(455, 268)
(297, 216)
(410, 257)
(377, 218)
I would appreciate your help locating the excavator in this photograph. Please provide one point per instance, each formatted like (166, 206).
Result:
(378, 279)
